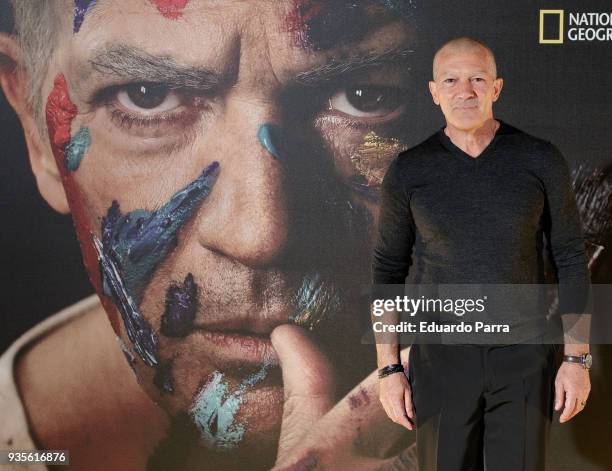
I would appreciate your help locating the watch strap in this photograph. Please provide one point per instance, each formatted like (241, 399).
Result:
(580, 359)
(390, 369)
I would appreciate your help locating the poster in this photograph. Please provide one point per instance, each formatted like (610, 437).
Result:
(257, 190)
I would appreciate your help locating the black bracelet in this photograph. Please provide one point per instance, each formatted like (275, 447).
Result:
(390, 369)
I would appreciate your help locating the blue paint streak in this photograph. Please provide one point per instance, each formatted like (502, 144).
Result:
(76, 148)
(134, 244)
(271, 138)
(138, 329)
(81, 7)
(140, 239)
(214, 411)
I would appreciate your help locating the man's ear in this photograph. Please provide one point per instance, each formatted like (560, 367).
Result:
(14, 80)
(497, 87)
(434, 92)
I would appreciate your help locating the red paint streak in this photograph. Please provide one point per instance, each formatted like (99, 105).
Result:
(171, 9)
(59, 112)
(297, 20)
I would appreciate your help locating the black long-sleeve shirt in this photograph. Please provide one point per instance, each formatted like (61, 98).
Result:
(446, 217)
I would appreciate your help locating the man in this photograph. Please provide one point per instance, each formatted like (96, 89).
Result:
(474, 202)
(216, 158)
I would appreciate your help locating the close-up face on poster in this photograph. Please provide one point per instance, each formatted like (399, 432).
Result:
(299, 235)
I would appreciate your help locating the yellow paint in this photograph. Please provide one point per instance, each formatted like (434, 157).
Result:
(374, 155)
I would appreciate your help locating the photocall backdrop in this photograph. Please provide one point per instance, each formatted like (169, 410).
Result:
(555, 60)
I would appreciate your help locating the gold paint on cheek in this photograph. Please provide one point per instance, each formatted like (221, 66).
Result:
(373, 156)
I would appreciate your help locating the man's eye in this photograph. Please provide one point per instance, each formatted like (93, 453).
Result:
(367, 101)
(148, 98)
(449, 80)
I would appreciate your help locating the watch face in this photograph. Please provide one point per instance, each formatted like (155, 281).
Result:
(588, 360)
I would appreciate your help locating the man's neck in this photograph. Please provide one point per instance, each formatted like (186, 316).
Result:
(473, 141)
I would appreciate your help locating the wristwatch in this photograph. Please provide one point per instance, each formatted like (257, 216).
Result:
(586, 360)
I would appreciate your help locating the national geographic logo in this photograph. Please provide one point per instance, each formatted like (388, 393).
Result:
(581, 26)
(551, 26)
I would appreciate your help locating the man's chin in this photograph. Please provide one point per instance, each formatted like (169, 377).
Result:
(467, 119)
(229, 409)
(255, 422)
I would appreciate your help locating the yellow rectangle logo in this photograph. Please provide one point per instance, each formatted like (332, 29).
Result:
(550, 14)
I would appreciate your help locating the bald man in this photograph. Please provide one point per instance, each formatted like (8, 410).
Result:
(472, 204)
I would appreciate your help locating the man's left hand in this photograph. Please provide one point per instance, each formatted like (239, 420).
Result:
(572, 388)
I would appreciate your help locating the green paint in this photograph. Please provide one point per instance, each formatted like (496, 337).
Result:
(271, 138)
(214, 410)
(76, 148)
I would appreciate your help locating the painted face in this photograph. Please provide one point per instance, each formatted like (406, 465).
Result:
(465, 88)
(223, 175)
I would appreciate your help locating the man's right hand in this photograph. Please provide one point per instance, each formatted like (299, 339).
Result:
(317, 431)
(396, 397)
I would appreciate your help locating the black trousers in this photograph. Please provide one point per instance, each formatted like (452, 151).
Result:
(482, 407)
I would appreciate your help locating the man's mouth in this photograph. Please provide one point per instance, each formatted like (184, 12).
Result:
(243, 339)
(466, 107)
(255, 325)
(245, 336)
(238, 346)
(237, 335)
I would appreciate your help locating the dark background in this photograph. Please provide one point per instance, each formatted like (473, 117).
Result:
(557, 92)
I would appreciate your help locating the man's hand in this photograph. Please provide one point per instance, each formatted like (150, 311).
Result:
(396, 398)
(572, 388)
(318, 432)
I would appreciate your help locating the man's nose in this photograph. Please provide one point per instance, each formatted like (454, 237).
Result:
(245, 217)
(465, 88)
